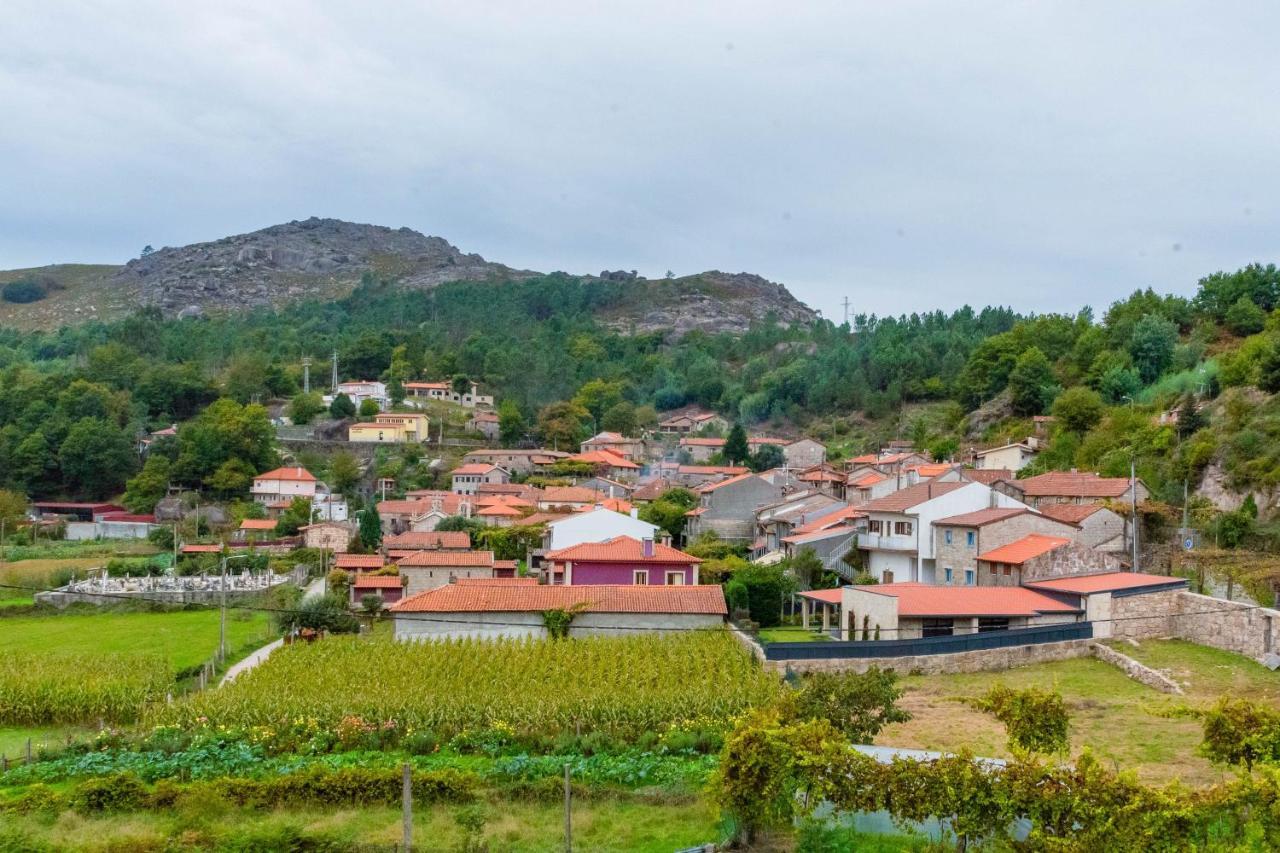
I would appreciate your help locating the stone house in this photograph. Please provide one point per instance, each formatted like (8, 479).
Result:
(486, 423)
(699, 449)
(1072, 487)
(687, 422)
(904, 611)
(515, 460)
(1039, 557)
(959, 539)
(1099, 527)
(780, 519)
(389, 588)
(804, 453)
(692, 476)
(425, 570)
(514, 608)
(467, 479)
(631, 449)
(728, 508)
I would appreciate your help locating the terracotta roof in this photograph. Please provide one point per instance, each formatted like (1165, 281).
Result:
(1076, 484)
(201, 549)
(415, 540)
(818, 535)
(359, 561)
(569, 495)
(903, 499)
(450, 505)
(442, 386)
(615, 504)
(651, 491)
(982, 517)
(828, 596)
(259, 524)
(1024, 549)
(294, 474)
(822, 476)
(1106, 582)
(368, 581)
(731, 470)
(868, 480)
(609, 438)
(622, 549)
(987, 476)
(924, 600)
(932, 469)
(474, 468)
(448, 559)
(846, 513)
(1069, 513)
(696, 511)
(544, 517)
(864, 459)
(719, 484)
(603, 457)
(513, 596)
(694, 441)
(507, 564)
(498, 510)
(503, 500)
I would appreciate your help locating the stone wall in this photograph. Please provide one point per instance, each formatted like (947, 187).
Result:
(1069, 560)
(973, 661)
(1229, 625)
(1137, 671)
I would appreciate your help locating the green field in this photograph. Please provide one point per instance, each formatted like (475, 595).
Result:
(791, 634)
(1118, 718)
(186, 638)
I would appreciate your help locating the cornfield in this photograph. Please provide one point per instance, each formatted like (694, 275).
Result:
(79, 688)
(630, 684)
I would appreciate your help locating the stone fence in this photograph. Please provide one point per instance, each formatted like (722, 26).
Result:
(1228, 625)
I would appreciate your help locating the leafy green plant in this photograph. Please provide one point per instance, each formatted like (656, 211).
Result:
(1036, 720)
(858, 705)
(1240, 732)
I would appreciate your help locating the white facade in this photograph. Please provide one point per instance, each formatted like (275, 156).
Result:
(596, 525)
(362, 390)
(1011, 457)
(904, 544)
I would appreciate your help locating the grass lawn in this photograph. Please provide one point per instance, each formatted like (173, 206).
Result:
(1119, 719)
(186, 637)
(531, 827)
(790, 634)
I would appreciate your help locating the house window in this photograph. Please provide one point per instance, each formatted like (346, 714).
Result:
(992, 623)
(936, 628)
(947, 536)
(873, 526)
(947, 574)
(640, 577)
(902, 528)
(1008, 569)
(970, 538)
(969, 577)
(995, 568)
(675, 578)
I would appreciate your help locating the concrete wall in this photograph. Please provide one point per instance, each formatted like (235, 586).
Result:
(1104, 529)
(731, 510)
(419, 579)
(804, 453)
(1013, 458)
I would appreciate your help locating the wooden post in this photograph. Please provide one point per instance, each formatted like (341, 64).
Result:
(28, 750)
(568, 813)
(4, 763)
(407, 798)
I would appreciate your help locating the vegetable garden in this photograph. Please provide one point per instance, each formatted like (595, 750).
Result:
(623, 685)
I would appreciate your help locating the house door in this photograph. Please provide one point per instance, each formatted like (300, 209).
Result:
(886, 576)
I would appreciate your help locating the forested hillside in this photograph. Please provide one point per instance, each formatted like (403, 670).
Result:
(73, 402)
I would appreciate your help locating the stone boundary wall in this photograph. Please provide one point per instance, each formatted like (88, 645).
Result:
(1139, 672)
(1232, 626)
(757, 651)
(973, 661)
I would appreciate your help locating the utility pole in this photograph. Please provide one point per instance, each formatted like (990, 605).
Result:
(568, 813)
(1133, 499)
(335, 371)
(846, 310)
(306, 374)
(222, 607)
(407, 806)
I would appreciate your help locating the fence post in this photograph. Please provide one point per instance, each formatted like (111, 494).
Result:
(407, 798)
(568, 813)
(28, 750)
(4, 763)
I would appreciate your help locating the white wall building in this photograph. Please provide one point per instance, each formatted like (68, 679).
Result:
(596, 525)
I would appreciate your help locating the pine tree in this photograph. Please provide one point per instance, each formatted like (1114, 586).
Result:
(736, 449)
(370, 528)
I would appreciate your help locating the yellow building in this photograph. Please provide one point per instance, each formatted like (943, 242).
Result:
(391, 428)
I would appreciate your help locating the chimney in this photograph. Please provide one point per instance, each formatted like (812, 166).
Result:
(635, 513)
(646, 546)
(666, 539)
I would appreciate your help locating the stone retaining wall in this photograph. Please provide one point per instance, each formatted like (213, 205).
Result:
(1229, 625)
(1139, 672)
(972, 661)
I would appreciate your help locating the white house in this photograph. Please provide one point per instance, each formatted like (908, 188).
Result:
(467, 478)
(596, 525)
(360, 390)
(1013, 457)
(898, 538)
(281, 485)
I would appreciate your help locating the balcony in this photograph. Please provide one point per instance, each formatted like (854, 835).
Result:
(887, 542)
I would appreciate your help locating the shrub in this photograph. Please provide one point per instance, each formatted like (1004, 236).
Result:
(1036, 720)
(858, 705)
(766, 587)
(735, 593)
(120, 792)
(23, 291)
(1240, 732)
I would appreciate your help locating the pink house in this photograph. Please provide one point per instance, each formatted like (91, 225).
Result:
(622, 560)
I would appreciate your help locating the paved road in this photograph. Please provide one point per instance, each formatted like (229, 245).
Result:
(315, 589)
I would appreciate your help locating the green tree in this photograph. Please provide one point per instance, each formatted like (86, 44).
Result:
(598, 396)
(368, 408)
(1035, 719)
(766, 588)
(736, 450)
(232, 477)
(35, 464)
(225, 430)
(148, 486)
(460, 384)
(1269, 366)
(13, 508)
(371, 528)
(858, 705)
(1190, 418)
(342, 407)
(1151, 346)
(669, 511)
(296, 516)
(620, 418)
(1240, 732)
(563, 424)
(1119, 384)
(511, 426)
(1031, 383)
(1078, 409)
(766, 457)
(304, 407)
(344, 471)
(395, 391)
(96, 458)
(1245, 318)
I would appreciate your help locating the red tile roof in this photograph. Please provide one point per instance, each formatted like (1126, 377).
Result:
(817, 535)
(513, 596)
(368, 581)
(543, 518)
(1069, 513)
(868, 480)
(622, 549)
(448, 559)
(556, 495)
(503, 500)
(1075, 484)
(294, 474)
(982, 517)
(615, 504)
(259, 524)
(603, 457)
(201, 549)
(422, 540)
(498, 511)
(932, 469)
(701, 442)
(718, 484)
(987, 476)
(1105, 582)
(838, 516)
(359, 561)
(1026, 548)
(903, 499)
(731, 470)
(474, 468)
(926, 600)
(829, 596)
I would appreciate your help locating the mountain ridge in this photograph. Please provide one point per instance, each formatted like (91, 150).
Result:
(325, 258)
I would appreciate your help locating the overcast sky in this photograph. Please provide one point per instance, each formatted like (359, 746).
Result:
(906, 155)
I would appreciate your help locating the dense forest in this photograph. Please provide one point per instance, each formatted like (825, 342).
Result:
(73, 403)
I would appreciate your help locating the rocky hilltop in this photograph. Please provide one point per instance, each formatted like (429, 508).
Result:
(325, 258)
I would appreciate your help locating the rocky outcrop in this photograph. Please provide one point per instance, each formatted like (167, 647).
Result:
(711, 301)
